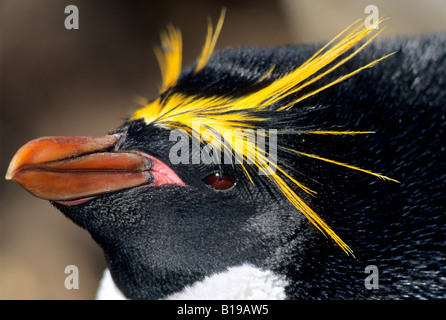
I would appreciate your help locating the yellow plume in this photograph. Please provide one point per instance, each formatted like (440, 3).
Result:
(211, 40)
(169, 56)
(217, 114)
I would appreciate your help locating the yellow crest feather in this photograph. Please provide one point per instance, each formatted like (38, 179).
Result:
(215, 114)
(211, 40)
(169, 56)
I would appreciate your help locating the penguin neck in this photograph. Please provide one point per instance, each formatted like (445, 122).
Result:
(141, 279)
(139, 276)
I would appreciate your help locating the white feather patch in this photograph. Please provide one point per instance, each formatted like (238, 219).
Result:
(107, 288)
(244, 282)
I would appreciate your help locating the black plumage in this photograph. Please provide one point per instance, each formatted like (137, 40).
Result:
(160, 239)
(157, 240)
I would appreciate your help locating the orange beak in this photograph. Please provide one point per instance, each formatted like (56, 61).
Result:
(69, 168)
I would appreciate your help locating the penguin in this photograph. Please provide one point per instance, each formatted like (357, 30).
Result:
(297, 172)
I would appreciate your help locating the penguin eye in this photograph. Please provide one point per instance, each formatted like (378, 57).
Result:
(220, 181)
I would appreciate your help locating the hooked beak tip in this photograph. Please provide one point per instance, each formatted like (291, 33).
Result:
(11, 170)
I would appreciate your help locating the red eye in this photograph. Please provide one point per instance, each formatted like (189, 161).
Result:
(220, 181)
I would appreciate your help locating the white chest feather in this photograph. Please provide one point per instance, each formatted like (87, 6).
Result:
(244, 282)
(107, 288)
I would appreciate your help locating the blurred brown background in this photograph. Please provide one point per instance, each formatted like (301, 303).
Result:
(55, 81)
